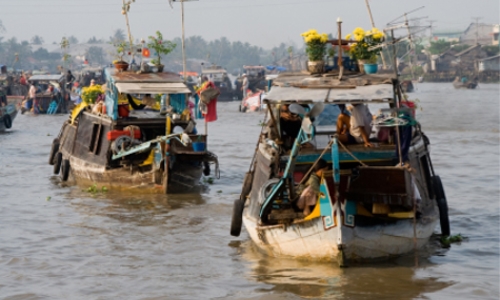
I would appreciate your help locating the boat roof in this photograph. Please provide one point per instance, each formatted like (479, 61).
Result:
(254, 67)
(213, 71)
(299, 87)
(148, 83)
(57, 77)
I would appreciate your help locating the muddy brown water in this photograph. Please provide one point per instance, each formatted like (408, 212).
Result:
(59, 241)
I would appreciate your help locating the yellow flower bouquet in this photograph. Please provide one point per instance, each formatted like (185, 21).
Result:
(91, 93)
(365, 40)
(315, 44)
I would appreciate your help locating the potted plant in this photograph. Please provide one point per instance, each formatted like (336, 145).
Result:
(161, 47)
(315, 49)
(120, 64)
(367, 59)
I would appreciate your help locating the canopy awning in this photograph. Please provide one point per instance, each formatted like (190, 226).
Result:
(152, 87)
(368, 93)
(57, 77)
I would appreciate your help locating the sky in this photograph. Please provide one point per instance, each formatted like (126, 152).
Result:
(265, 23)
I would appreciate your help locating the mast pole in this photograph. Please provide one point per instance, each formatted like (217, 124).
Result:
(373, 25)
(183, 46)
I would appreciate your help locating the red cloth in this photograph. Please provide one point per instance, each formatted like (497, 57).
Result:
(211, 114)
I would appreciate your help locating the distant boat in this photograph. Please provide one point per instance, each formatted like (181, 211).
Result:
(469, 84)
(8, 113)
(407, 86)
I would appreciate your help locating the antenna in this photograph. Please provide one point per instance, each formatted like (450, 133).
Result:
(404, 15)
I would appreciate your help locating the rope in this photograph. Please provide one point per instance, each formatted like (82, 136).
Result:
(131, 129)
(316, 162)
(352, 155)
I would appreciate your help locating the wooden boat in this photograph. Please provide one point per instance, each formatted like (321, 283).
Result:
(56, 102)
(9, 105)
(469, 84)
(407, 86)
(367, 207)
(218, 75)
(139, 149)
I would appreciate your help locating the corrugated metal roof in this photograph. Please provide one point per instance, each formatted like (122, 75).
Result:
(291, 87)
(57, 77)
(145, 77)
(152, 88)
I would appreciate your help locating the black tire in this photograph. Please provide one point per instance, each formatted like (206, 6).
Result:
(65, 170)
(206, 168)
(57, 162)
(7, 121)
(442, 205)
(54, 150)
(237, 219)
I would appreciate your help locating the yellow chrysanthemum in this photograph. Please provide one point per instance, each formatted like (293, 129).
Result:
(348, 37)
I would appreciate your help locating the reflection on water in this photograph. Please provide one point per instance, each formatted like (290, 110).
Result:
(393, 279)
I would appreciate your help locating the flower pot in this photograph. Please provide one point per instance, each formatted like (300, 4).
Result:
(121, 66)
(361, 66)
(160, 68)
(316, 66)
(123, 110)
(370, 68)
(198, 146)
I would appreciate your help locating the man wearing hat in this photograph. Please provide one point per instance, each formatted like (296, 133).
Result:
(245, 85)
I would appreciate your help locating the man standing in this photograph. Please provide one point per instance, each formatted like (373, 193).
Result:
(245, 86)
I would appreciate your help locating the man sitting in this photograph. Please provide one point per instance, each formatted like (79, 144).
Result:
(361, 120)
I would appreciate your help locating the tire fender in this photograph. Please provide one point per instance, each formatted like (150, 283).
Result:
(65, 170)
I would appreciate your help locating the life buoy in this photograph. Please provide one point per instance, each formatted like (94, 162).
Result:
(442, 205)
(7, 121)
(53, 150)
(65, 170)
(57, 163)
(237, 218)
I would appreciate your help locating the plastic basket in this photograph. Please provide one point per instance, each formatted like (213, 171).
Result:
(198, 146)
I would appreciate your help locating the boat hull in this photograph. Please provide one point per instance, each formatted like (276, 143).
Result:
(313, 239)
(183, 176)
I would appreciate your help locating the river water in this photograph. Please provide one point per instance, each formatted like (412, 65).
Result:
(62, 242)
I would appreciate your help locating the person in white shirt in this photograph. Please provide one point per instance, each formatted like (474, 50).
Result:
(361, 120)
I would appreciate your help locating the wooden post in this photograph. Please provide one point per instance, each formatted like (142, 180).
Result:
(373, 25)
(341, 67)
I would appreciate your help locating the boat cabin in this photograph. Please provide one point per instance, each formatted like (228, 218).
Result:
(368, 177)
(141, 136)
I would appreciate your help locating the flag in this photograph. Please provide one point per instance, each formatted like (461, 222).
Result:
(145, 52)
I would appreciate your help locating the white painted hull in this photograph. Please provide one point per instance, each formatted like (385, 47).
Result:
(311, 240)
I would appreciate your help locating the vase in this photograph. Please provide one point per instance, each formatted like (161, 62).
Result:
(316, 66)
(121, 66)
(361, 66)
(370, 68)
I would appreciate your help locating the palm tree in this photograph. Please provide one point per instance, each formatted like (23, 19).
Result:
(118, 35)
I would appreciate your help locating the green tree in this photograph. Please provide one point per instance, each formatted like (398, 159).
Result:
(37, 40)
(93, 40)
(118, 35)
(73, 40)
(491, 50)
(95, 54)
(439, 46)
(41, 54)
